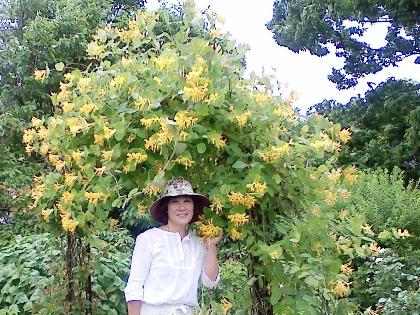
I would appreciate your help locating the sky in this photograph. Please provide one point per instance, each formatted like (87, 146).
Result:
(302, 72)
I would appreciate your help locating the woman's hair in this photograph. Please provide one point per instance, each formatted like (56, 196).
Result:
(163, 210)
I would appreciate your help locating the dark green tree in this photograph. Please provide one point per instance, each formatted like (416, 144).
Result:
(385, 126)
(313, 25)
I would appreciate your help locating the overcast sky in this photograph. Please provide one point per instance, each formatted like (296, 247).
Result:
(306, 74)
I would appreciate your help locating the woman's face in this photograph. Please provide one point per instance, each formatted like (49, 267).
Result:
(180, 210)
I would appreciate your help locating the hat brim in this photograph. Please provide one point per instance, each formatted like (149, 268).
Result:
(158, 209)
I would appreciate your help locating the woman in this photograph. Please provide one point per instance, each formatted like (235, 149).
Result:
(168, 261)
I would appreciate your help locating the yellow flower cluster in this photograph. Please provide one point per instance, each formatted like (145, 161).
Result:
(403, 234)
(274, 153)
(238, 219)
(106, 155)
(208, 231)
(164, 62)
(346, 269)
(56, 161)
(88, 108)
(234, 234)
(196, 86)
(68, 197)
(37, 192)
(159, 139)
(240, 199)
(126, 61)
(216, 205)
(29, 136)
(142, 103)
(95, 197)
(77, 124)
(325, 143)
(350, 174)
(68, 224)
(274, 255)
(341, 288)
(345, 135)
(40, 75)
(242, 118)
(69, 179)
(218, 141)
(183, 160)
(136, 158)
(334, 175)
(151, 190)
(106, 135)
(77, 155)
(148, 122)
(330, 198)
(142, 209)
(345, 194)
(45, 213)
(286, 112)
(261, 98)
(117, 82)
(367, 229)
(226, 306)
(258, 188)
(185, 119)
(113, 224)
(131, 34)
(343, 244)
(100, 170)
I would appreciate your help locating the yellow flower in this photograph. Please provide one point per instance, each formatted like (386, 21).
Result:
(375, 249)
(214, 32)
(116, 82)
(183, 120)
(238, 219)
(77, 155)
(106, 155)
(69, 179)
(29, 149)
(330, 198)
(142, 103)
(142, 209)
(334, 175)
(100, 170)
(316, 211)
(68, 197)
(46, 213)
(350, 174)
(343, 213)
(216, 205)
(341, 288)
(318, 247)
(98, 139)
(345, 135)
(113, 224)
(69, 77)
(29, 136)
(95, 197)
(258, 188)
(346, 269)
(40, 75)
(218, 141)
(44, 149)
(157, 80)
(403, 234)
(56, 121)
(274, 255)
(344, 193)
(108, 132)
(136, 158)
(183, 160)
(208, 231)
(67, 107)
(151, 190)
(240, 199)
(243, 118)
(68, 224)
(261, 98)
(367, 229)
(43, 133)
(226, 306)
(164, 62)
(234, 234)
(87, 108)
(36, 122)
(274, 153)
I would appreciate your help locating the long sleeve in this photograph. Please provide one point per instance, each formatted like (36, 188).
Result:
(140, 266)
(204, 278)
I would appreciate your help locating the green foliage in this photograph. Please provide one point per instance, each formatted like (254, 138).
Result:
(384, 125)
(388, 280)
(387, 204)
(32, 277)
(312, 24)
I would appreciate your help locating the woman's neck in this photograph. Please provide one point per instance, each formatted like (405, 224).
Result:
(180, 229)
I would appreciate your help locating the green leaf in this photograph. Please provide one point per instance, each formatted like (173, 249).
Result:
(201, 148)
(275, 294)
(179, 148)
(239, 164)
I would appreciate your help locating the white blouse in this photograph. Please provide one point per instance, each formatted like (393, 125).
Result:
(166, 269)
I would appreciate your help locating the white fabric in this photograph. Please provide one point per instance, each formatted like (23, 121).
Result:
(165, 309)
(166, 269)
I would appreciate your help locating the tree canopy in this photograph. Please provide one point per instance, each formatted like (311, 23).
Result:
(313, 25)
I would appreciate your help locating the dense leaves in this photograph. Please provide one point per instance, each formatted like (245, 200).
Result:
(384, 124)
(313, 24)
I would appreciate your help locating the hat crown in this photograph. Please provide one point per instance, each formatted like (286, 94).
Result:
(178, 187)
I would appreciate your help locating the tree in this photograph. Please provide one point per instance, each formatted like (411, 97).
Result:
(384, 124)
(313, 24)
(166, 99)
